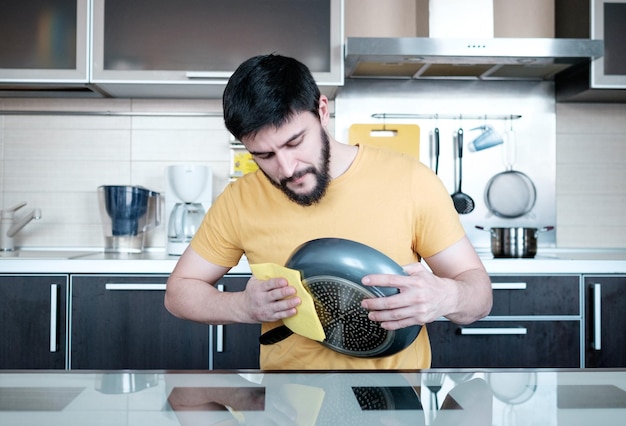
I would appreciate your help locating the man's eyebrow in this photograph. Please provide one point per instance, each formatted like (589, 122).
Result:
(292, 138)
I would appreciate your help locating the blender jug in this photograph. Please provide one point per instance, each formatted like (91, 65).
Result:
(127, 213)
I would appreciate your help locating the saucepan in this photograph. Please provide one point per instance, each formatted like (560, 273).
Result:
(514, 242)
(331, 270)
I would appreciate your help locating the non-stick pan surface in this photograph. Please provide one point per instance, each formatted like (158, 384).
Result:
(332, 269)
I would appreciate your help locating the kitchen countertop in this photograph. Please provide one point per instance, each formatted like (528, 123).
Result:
(467, 397)
(547, 261)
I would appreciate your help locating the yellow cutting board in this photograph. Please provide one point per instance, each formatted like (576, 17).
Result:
(403, 138)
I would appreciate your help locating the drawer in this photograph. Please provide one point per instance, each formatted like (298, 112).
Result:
(535, 295)
(505, 344)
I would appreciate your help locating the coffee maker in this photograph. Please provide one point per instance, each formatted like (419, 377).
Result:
(189, 190)
(127, 213)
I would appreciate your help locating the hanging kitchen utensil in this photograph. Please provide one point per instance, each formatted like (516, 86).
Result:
(511, 193)
(436, 143)
(463, 203)
(332, 269)
(403, 138)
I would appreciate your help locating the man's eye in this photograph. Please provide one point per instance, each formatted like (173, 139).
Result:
(264, 156)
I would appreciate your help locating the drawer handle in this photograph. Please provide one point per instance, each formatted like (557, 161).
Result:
(597, 317)
(508, 286)
(134, 286)
(54, 304)
(493, 331)
(219, 330)
(221, 76)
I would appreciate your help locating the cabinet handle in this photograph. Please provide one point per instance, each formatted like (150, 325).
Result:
(54, 302)
(508, 286)
(222, 76)
(597, 316)
(134, 286)
(219, 330)
(493, 331)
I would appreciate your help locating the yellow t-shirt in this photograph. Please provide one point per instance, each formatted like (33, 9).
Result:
(388, 201)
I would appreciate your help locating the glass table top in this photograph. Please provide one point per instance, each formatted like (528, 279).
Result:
(426, 397)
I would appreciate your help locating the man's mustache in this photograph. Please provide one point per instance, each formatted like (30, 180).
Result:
(297, 176)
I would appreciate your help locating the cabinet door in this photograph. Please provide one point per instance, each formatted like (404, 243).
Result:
(120, 322)
(605, 321)
(193, 46)
(535, 295)
(43, 41)
(235, 346)
(32, 321)
(506, 344)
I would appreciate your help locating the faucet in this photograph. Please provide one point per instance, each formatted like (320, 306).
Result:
(9, 225)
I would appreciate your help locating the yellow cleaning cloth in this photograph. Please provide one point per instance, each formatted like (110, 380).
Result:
(306, 322)
(306, 400)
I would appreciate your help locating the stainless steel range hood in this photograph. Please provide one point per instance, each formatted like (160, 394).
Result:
(480, 59)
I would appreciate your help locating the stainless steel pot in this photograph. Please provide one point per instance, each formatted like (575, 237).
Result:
(514, 242)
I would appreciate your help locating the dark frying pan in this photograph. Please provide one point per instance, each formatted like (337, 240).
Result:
(332, 269)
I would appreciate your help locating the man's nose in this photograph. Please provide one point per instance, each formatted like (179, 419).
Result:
(286, 164)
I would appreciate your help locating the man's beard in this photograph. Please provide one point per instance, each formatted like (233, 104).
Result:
(322, 178)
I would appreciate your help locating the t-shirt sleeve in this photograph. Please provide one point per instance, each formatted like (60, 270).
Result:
(217, 239)
(438, 223)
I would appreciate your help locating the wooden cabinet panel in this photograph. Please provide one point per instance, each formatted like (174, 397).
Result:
(605, 321)
(535, 322)
(235, 346)
(536, 295)
(32, 321)
(120, 322)
(495, 344)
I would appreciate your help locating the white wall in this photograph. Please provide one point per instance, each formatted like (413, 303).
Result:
(591, 175)
(57, 162)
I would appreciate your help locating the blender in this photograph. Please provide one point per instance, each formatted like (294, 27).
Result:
(127, 213)
(189, 194)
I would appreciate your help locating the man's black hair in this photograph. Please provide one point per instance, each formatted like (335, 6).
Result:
(268, 90)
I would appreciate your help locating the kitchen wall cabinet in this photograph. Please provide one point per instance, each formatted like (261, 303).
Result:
(605, 321)
(43, 43)
(32, 321)
(535, 322)
(235, 346)
(120, 322)
(150, 48)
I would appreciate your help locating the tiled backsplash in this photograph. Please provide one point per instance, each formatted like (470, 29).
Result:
(56, 163)
(591, 175)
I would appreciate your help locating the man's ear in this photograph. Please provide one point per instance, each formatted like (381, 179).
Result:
(324, 110)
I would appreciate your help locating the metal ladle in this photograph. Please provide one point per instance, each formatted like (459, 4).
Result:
(463, 203)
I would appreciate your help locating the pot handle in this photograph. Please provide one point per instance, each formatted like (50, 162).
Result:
(481, 228)
(546, 228)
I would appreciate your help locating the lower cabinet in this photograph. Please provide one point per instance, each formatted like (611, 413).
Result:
(235, 346)
(535, 322)
(32, 321)
(605, 321)
(506, 344)
(120, 322)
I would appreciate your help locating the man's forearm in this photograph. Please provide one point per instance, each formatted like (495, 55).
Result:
(474, 297)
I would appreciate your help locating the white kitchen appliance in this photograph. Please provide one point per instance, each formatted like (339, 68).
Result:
(188, 195)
